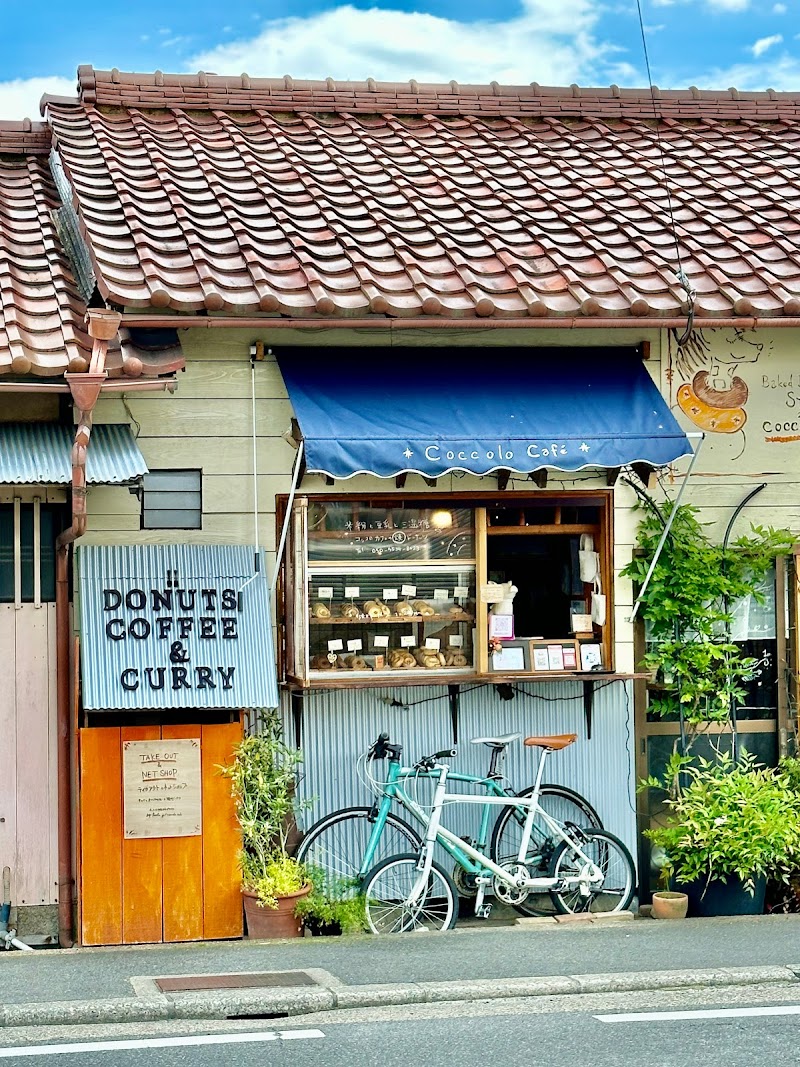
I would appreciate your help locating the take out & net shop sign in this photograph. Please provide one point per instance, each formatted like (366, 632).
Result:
(174, 626)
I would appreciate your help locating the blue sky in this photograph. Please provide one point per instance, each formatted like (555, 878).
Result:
(752, 44)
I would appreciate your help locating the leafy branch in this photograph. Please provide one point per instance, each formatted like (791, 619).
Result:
(688, 610)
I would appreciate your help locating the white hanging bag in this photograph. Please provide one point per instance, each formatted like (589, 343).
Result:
(588, 559)
(598, 604)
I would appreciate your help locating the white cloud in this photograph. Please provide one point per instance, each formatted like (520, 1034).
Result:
(549, 43)
(764, 43)
(781, 74)
(729, 5)
(779, 9)
(19, 99)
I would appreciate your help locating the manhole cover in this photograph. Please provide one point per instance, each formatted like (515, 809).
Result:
(263, 980)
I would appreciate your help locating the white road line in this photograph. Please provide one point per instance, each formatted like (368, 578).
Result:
(700, 1013)
(158, 1042)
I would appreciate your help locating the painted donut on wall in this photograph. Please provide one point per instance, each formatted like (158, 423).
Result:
(714, 410)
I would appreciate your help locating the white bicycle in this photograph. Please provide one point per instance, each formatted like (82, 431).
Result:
(590, 870)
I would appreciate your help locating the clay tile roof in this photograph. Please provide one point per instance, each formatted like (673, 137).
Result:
(41, 312)
(322, 198)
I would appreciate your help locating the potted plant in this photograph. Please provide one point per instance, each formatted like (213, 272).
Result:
(729, 827)
(262, 777)
(333, 907)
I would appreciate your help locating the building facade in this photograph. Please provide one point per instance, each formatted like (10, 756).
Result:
(403, 353)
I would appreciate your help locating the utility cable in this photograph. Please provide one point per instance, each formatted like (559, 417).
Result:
(681, 274)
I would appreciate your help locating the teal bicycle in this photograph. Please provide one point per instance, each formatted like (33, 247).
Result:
(348, 843)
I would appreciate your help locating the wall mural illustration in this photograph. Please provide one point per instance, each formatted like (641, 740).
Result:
(742, 388)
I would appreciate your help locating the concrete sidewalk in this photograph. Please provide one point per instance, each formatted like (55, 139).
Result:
(116, 984)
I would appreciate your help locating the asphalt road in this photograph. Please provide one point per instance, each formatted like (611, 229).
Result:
(552, 1032)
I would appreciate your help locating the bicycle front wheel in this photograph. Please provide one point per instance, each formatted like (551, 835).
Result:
(336, 845)
(582, 895)
(562, 804)
(393, 909)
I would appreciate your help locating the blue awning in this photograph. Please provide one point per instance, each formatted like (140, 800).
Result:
(40, 453)
(394, 410)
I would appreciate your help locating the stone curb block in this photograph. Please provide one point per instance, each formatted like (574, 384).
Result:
(251, 1003)
(87, 1012)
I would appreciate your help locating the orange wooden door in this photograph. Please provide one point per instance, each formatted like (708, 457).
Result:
(159, 889)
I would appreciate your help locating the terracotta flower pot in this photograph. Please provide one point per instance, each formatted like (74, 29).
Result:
(273, 922)
(667, 905)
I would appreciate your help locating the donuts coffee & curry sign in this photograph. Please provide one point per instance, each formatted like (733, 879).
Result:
(181, 626)
(172, 616)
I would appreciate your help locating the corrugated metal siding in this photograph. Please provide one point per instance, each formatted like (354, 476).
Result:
(39, 453)
(145, 567)
(338, 725)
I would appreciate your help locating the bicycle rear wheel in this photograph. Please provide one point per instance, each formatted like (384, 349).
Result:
(562, 804)
(337, 843)
(616, 890)
(388, 887)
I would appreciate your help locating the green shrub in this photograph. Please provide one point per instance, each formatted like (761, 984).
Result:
(728, 819)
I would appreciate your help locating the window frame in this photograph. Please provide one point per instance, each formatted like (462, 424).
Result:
(292, 618)
(143, 494)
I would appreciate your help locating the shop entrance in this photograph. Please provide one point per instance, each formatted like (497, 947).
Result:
(136, 888)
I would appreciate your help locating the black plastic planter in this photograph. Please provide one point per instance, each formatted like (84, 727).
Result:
(728, 897)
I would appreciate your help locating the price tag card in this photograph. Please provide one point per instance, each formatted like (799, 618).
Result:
(325, 592)
(390, 594)
(380, 641)
(335, 646)
(408, 642)
(433, 642)
(461, 591)
(354, 645)
(441, 594)
(351, 592)
(408, 590)
(455, 641)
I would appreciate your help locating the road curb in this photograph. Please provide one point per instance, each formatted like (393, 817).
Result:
(280, 1003)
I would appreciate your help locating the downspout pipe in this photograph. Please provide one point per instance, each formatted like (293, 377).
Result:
(85, 389)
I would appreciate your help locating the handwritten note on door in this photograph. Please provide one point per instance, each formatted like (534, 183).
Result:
(161, 788)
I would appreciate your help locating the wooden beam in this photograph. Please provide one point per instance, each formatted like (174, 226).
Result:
(539, 478)
(645, 473)
(612, 473)
(400, 480)
(502, 480)
(431, 482)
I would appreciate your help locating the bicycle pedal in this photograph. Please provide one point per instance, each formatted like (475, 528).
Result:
(484, 911)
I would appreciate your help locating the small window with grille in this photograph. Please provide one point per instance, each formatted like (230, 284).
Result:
(172, 500)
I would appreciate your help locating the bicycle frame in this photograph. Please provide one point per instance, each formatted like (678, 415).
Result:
(471, 858)
(436, 833)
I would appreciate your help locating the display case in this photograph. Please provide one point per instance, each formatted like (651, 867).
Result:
(381, 592)
(388, 591)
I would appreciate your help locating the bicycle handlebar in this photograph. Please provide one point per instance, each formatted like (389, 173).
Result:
(427, 763)
(381, 749)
